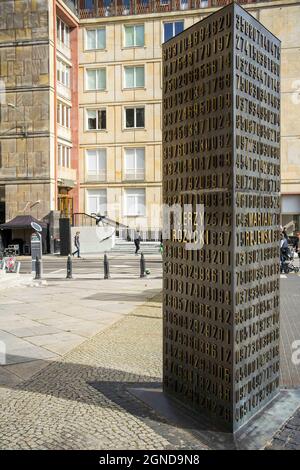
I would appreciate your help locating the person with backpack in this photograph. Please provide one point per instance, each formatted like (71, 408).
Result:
(77, 245)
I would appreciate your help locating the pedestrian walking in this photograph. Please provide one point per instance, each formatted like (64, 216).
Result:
(137, 241)
(77, 245)
(284, 248)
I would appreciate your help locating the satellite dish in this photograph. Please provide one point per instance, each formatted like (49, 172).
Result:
(36, 227)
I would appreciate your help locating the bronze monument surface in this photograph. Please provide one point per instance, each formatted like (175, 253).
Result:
(221, 151)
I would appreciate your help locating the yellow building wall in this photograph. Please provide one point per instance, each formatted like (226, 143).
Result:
(282, 18)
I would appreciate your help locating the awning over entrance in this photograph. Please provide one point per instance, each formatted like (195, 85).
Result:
(22, 222)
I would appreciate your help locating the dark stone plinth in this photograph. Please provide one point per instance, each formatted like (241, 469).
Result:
(254, 435)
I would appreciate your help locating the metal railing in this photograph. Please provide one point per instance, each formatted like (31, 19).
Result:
(148, 234)
(102, 8)
(123, 232)
(96, 176)
(81, 219)
(134, 175)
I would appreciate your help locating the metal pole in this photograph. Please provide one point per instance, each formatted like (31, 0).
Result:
(142, 266)
(69, 267)
(37, 268)
(106, 267)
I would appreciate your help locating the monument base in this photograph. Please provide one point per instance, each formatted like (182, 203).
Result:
(254, 435)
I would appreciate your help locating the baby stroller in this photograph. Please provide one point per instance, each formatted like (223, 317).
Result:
(287, 261)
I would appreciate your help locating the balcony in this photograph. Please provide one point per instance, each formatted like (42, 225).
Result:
(106, 8)
(66, 177)
(63, 91)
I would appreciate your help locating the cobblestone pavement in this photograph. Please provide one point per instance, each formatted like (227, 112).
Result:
(288, 437)
(82, 401)
(289, 329)
(60, 408)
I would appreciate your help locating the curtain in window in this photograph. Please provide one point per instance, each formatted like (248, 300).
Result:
(91, 119)
(134, 163)
(129, 159)
(91, 39)
(141, 204)
(139, 77)
(91, 79)
(130, 205)
(139, 35)
(135, 202)
(91, 161)
(129, 36)
(140, 158)
(96, 162)
(97, 201)
(101, 43)
(129, 77)
(101, 79)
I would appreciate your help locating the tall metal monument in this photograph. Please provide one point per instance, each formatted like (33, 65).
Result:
(221, 151)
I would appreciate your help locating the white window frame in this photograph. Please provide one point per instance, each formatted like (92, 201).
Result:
(135, 108)
(90, 192)
(86, 79)
(60, 26)
(138, 191)
(134, 35)
(97, 120)
(98, 174)
(63, 115)
(134, 174)
(59, 154)
(63, 67)
(134, 67)
(64, 155)
(86, 48)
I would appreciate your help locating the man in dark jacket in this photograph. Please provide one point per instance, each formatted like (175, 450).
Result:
(137, 241)
(77, 245)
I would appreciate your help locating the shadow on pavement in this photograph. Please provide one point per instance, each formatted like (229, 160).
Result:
(121, 296)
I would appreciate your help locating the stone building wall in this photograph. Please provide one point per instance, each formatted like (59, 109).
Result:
(26, 169)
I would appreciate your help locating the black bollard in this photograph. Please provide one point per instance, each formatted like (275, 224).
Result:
(69, 267)
(37, 268)
(106, 267)
(142, 266)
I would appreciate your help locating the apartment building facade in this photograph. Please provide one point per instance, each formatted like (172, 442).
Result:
(99, 88)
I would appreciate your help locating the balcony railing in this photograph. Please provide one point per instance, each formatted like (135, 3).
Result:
(134, 175)
(96, 176)
(105, 8)
(67, 174)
